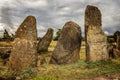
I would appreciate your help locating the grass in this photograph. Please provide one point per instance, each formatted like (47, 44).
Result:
(5, 44)
(82, 54)
(83, 43)
(78, 70)
(53, 44)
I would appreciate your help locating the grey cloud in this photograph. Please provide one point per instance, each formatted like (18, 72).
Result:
(55, 13)
(6, 16)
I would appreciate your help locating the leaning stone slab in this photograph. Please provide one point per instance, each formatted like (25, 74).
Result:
(44, 43)
(68, 46)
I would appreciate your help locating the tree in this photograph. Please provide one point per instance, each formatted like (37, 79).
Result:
(6, 36)
(57, 34)
(116, 34)
(110, 39)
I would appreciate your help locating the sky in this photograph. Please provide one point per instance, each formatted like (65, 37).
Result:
(55, 13)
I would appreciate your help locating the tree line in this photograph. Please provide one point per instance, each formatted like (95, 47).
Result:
(10, 37)
(110, 38)
(6, 36)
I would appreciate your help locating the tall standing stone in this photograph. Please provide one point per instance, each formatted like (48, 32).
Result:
(117, 35)
(118, 43)
(44, 43)
(68, 45)
(96, 40)
(24, 52)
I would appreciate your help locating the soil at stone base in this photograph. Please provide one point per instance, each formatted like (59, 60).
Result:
(115, 76)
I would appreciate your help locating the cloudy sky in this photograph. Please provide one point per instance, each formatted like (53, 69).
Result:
(55, 13)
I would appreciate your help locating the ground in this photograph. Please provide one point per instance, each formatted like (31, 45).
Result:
(81, 70)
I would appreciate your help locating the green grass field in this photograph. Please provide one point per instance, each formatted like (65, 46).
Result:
(78, 70)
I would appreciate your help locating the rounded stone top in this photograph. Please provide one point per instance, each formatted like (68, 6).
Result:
(50, 29)
(71, 23)
(91, 7)
(93, 16)
(27, 30)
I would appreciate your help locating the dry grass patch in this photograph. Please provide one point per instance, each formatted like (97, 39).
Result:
(5, 44)
(53, 44)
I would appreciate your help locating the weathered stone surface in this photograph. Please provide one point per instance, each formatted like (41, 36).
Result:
(68, 45)
(96, 40)
(24, 51)
(113, 51)
(110, 50)
(116, 53)
(118, 40)
(5, 52)
(118, 43)
(27, 29)
(44, 43)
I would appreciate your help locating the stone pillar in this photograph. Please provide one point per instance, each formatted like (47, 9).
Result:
(44, 43)
(96, 40)
(68, 46)
(24, 51)
(119, 43)
(118, 40)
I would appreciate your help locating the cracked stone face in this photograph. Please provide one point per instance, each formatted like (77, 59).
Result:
(27, 29)
(44, 43)
(24, 51)
(68, 45)
(96, 40)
